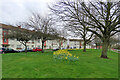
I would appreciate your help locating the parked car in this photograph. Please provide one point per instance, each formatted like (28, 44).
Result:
(28, 50)
(55, 49)
(7, 50)
(71, 48)
(37, 49)
(62, 48)
(2, 50)
(74, 47)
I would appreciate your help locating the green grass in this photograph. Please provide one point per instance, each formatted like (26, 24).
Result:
(38, 65)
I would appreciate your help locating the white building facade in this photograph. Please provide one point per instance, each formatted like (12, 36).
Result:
(49, 44)
(1, 35)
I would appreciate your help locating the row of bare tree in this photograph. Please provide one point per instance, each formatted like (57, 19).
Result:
(37, 27)
(84, 19)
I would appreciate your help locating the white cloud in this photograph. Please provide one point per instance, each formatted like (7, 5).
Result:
(12, 11)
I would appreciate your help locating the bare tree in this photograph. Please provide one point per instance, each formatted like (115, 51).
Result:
(43, 26)
(107, 20)
(102, 16)
(69, 12)
(62, 37)
(114, 42)
(21, 35)
(97, 41)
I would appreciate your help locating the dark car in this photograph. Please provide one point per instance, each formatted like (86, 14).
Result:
(55, 49)
(74, 47)
(29, 50)
(7, 50)
(2, 50)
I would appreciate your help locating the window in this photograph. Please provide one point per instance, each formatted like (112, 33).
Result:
(12, 45)
(38, 41)
(4, 33)
(32, 40)
(5, 40)
(5, 30)
(32, 46)
(18, 46)
(27, 46)
(12, 39)
(39, 46)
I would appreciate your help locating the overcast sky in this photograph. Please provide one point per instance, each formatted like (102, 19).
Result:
(12, 11)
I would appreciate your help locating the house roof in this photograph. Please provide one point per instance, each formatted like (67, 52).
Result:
(75, 39)
(10, 27)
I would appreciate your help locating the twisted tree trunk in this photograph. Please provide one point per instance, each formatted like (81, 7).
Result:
(25, 48)
(42, 46)
(99, 46)
(84, 50)
(96, 45)
(60, 44)
(105, 48)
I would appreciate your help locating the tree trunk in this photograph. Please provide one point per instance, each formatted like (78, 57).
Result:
(59, 44)
(99, 46)
(109, 46)
(104, 49)
(96, 45)
(42, 46)
(84, 50)
(25, 48)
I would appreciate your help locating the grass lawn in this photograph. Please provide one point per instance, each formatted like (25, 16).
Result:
(42, 65)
